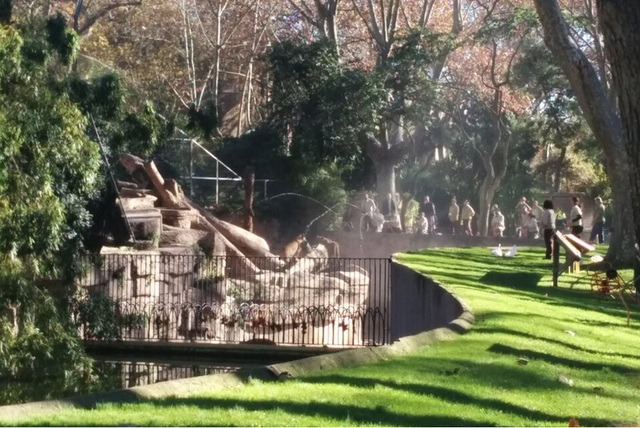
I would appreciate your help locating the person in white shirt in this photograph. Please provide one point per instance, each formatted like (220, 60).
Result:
(575, 216)
(422, 225)
(497, 222)
(548, 225)
(466, 215)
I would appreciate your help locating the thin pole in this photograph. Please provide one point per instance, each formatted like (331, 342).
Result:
(113, 179)
(191, 169)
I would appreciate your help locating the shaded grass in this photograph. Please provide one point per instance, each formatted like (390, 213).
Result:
(475, 380)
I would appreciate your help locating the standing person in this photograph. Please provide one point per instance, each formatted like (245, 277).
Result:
(429, 210)
(454, 215)
(368, 209)
(522, 213)
(466, 215)
(548, 225)
(497, 222)
(422, 225)
(576, 217)
(597, 224)
(536, 210)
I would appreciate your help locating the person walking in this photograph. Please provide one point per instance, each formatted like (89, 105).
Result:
(454, 215)
(575, 216)
(597, 224)
(429, 210)
(466, 215)
(548, 225)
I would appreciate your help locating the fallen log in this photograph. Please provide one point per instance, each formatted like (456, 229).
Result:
(169, 200)
(232, 249)
(250, 243)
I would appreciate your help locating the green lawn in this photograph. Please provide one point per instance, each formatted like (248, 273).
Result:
(478, 379)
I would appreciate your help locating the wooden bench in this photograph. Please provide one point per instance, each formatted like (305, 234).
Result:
(581, 245)
(572, 256)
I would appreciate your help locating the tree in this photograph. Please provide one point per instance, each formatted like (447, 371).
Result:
(601, 117)
(48, 171)
(619, 22)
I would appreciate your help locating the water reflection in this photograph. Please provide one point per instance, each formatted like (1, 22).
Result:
(127, 374)
(113, 373)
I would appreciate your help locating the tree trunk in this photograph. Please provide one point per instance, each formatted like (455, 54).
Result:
(485, 199)
(385, 168)
(557, 175)
(620, 21)
(602, 119)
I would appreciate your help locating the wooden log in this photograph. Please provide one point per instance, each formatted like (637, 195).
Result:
(172, 186)
(126, 185)
(167, 198)
(250, 243)
(203, 224)
(128, 192)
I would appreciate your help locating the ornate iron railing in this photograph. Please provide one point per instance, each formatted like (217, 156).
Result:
(169, 297)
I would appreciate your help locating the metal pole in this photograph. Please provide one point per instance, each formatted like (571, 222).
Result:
(556, 260)
(217, 167)
(191, 169)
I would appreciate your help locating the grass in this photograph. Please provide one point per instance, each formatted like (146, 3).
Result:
(475, 380)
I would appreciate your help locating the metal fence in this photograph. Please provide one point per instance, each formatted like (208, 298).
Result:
(169, 297)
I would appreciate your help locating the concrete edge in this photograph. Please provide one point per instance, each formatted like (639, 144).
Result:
(359, 356)
(216, 382)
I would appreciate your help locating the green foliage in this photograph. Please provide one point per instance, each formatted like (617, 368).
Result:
(48, 170)
(497, 25)
(318, 186)
(570, 159)
(101, 318)
(319, 110)
(203, 121)
(61, 39)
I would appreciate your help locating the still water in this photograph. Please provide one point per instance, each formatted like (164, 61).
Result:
(119, 372)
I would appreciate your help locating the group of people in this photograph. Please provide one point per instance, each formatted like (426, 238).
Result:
(548, 222)
(374, 219)
(532, 220)
(460, 219)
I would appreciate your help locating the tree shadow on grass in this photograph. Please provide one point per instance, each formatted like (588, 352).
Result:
(354, 414)
(518, 280)
(553, 341)
(508, 350)
(455, 396)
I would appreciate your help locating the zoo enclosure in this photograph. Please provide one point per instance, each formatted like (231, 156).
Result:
(173, 298)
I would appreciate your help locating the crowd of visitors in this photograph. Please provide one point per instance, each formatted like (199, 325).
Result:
(531, 220)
